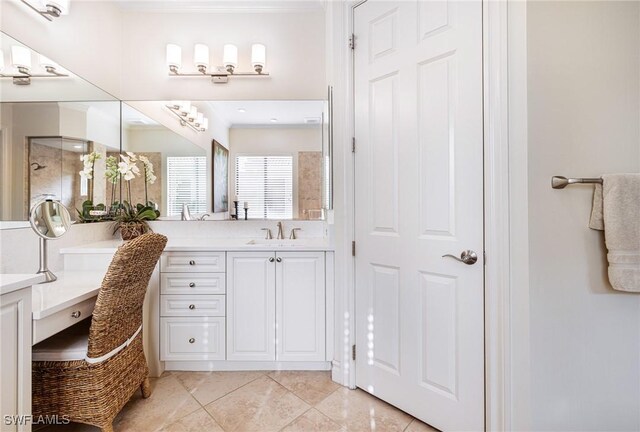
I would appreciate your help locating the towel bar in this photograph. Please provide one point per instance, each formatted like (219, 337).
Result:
(559, 182)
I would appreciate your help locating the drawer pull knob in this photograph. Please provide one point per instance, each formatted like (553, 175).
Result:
(192, 340)
(76, 314)
(192, 262)
(192, 306)
(192, 284)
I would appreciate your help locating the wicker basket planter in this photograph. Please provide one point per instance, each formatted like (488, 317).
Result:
(131, 230)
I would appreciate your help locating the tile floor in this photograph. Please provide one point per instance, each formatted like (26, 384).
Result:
(254, 402)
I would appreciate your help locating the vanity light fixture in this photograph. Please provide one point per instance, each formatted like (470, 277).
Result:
(49, 9)
(189, 115)
(218, 74)
(22, 68)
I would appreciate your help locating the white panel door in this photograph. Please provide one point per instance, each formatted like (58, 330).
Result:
(419, 196)
(251, 309)
(300, 306)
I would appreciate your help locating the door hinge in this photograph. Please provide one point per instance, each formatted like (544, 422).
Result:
(353, 145)
(352, 41)
(353, 352)
(353, 248)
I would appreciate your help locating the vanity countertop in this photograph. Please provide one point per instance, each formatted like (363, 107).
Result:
(211, 245)
(71, 288)
(14, 281)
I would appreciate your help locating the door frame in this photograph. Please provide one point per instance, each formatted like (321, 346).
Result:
(505, 197)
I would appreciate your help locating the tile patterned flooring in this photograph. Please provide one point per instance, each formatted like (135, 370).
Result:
(291, 401)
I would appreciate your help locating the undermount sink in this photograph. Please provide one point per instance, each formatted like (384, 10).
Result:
(276, 243)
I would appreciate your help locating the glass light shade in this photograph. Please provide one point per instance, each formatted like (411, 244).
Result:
(258, 55)
(45, 61)
(63, 5)
(1, 60)
(185, 107)
(201, 55)
(174, 55)
(200, 118)
(205, 124)
(230, 55)
(193, 114)
(21, 57)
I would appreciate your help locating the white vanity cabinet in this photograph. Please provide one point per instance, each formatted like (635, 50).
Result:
(276, 306)
(192, 306)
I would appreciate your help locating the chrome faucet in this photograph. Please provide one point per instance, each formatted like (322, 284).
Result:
(293, 235)
(269, 236)
(280, 231)
(186, 213)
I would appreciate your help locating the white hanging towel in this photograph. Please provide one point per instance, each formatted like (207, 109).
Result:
(616, 211)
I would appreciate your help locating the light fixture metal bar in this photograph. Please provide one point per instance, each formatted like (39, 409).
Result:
(44, 14)
(52, 75)
(183, 121)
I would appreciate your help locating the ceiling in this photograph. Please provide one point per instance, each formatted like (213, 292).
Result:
(132, 118)
(262, 113)
(222, 6)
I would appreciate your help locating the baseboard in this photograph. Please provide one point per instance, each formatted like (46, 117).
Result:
(244, 365)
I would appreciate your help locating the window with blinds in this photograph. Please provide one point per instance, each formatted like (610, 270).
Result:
(266, 183)
(186, 184)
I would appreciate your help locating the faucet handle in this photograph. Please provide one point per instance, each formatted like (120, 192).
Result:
(269, 236)
(293, 236)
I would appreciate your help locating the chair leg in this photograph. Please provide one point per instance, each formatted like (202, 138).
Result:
(145, 387)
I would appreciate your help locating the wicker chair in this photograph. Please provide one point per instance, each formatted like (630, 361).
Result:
(78, 375)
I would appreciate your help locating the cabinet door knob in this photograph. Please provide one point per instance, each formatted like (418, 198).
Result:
(76, 314)
(192, 340)
(192, 262)
(272, 259)
(192, 284)
(279, 259)
(192, 306)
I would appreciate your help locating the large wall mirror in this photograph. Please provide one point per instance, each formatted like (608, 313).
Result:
(56, 130)
(271, 157)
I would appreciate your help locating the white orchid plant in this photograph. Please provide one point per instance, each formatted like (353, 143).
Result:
(127, 170)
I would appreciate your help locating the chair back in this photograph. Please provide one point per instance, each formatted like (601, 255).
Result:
(118, 311)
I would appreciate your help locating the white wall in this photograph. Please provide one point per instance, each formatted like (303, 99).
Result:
(584, 111)
(295, 54)
(272, 141)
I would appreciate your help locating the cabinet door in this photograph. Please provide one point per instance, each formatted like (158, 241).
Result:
(300, 307)
(251, 306)
(15, 356)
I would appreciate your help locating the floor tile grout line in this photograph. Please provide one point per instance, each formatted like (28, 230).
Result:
(226, 394)
(291, 422)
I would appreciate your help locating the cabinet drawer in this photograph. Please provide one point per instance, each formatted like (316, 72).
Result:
(195, 338)
(192, 262)
(195, 283)
(54, 323)
(198, 305)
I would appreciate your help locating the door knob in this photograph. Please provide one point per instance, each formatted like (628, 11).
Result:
(272, 259)
(279, 259)
(468, 257)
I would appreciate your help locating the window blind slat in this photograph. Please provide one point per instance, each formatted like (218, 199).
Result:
(266, 183)
(186, 184)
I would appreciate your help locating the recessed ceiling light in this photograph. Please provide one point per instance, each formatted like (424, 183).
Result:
(242, 110)
(273, 120)
(78, 146)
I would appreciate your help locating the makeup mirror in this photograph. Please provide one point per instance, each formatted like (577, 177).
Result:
(50, 220)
